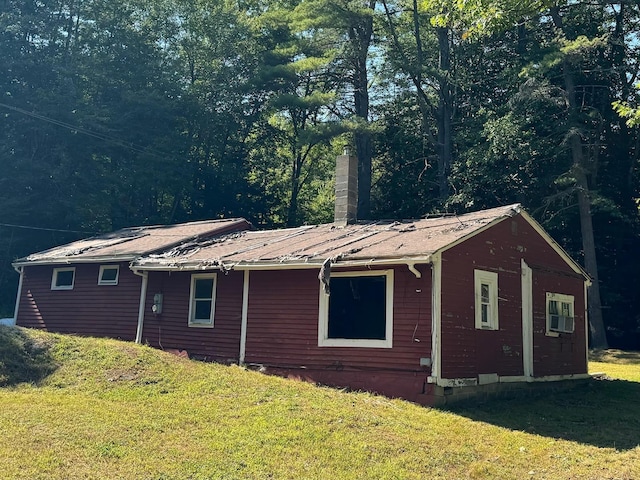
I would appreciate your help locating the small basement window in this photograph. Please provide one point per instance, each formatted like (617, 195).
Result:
(108, 274)
(359, 310)
(486, 299)
(560, 314)
(63, 278)
(202, 300)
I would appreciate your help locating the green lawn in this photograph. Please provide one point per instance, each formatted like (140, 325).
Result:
(90, 408)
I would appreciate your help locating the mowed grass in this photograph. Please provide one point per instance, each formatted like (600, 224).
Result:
(90, 408)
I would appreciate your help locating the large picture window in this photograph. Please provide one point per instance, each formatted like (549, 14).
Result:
(358, 312)
(202, 300)
(486, 299)
(63, 278)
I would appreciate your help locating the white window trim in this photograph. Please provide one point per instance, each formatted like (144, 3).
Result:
(108, 282)
(559, 297)
(54, 278)
(323, 317)
(491, 279)
(194, 277)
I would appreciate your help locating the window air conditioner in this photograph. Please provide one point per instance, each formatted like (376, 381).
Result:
(563, 324)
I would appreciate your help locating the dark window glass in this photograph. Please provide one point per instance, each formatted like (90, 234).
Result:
(204, 287)
(109, 274)
(203, 311)
(64, 278)
(357, 308)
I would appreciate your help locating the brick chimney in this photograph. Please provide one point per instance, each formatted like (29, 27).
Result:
(346, 188)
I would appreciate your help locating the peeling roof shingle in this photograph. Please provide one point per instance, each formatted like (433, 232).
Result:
(129, 243)
(374, 241)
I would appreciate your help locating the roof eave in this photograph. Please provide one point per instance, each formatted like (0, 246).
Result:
(23, 262)
(281, 265)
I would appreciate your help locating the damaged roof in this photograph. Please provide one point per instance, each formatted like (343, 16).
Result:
(372, 242)
(129, 243)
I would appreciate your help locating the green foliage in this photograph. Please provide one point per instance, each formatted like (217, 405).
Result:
(134, 112)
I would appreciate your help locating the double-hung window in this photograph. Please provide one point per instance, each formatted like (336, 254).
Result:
(202, 300)
(358, 311)
(63, 278)
(560, 317)
(486, 299)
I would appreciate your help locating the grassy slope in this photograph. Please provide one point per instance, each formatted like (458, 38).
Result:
(107, 409)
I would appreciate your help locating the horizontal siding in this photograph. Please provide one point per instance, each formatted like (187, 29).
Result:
(567, 353)
(171, 329)
(88, 309)
(466, 351)
(283, 321)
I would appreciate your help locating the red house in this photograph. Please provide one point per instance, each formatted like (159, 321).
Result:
(425, 310)
(419, 309)
(87, 287)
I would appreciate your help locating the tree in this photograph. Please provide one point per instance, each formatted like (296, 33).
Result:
(348, 25)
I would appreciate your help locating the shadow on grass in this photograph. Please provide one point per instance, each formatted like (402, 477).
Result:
(615, 356)
(22, 358)
(602, 413)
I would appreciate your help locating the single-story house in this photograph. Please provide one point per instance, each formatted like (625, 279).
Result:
(423, 309)
(411, 309)
(86, 287)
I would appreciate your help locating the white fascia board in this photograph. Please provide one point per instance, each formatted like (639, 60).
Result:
(476, 232)
(553, 244)
(70, 260)
(275, 265)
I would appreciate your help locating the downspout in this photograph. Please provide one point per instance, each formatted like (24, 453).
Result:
(143, 298)
(20, 270)
(414, 270)
(245, 316)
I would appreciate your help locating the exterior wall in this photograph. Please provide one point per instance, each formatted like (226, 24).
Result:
(467, 351)
(88, 309)
(171, 330)
(565, 354)
(282, 334)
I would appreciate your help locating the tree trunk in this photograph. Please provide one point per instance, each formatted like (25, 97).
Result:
(445, 113)
(579, 167)
(361, 35)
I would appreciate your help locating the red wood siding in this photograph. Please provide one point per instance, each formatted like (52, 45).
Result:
(466, 351)
(171, 329)
(282, 331)
(565, 354)
(89, 309)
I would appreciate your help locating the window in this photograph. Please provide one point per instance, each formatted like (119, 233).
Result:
(486, 299)
(202, 300)
(108, 275)
(63, 278)
(359, 310)
(559, 314)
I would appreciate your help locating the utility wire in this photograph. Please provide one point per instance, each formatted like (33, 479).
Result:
(90, 133)
(27, 227)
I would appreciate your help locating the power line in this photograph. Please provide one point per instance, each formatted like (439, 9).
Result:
(27, 227)
(90, 133)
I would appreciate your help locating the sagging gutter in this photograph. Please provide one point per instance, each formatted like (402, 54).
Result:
(275, 265)
(70, 260)
(143, 299)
